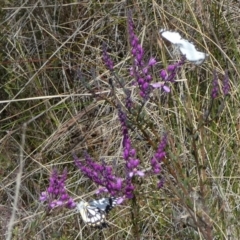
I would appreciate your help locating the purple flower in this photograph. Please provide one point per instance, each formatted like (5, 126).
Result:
(43, 197)
(164, 75)
(152, 61)
(161, 85)
(56, 194)
(131, 70)
(120, 200)
(170, 73)
(215, 87)
(132, 165)
(129, 189)
(101, 190)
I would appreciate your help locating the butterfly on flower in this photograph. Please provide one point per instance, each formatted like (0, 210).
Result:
(186, 48)
(94, 213)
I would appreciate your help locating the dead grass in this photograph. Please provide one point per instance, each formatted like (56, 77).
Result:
(43, 47)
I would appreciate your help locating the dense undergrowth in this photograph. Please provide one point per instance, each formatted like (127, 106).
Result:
(58, 97)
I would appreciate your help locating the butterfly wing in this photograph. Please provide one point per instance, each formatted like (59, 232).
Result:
(95, 217)
(186, 48)
(92, 215)
(105, 204)
(173, 37)
(94, 212)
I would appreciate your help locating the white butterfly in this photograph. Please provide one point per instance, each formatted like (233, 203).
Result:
(94, 213)
(186, 48)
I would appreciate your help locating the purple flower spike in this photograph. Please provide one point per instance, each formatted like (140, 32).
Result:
(160, 183)
(226, 85)
(101, 174)
(129, 153)
(140, 69)
(106, 58)
(159, 156)
(129, 102)
(215, 87)
(56, 194)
